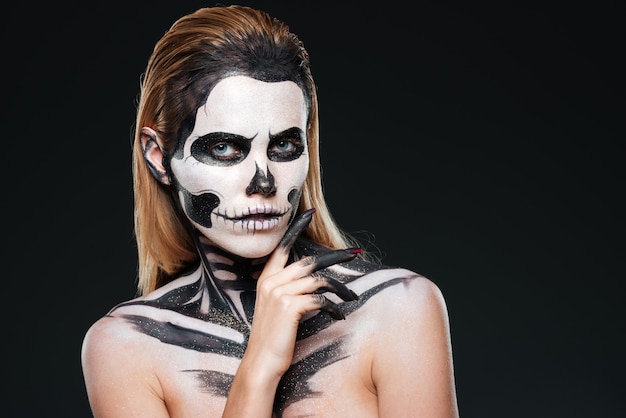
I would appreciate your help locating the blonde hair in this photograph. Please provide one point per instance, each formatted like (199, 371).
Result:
(196, 52)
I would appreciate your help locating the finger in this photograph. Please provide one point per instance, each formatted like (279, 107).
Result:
(336, 287)
(315, 263)
(279, 257)
(330, 307)
(295, 229)
(318, 284)
(329, 258)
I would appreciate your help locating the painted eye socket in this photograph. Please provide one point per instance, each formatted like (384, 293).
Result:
(287, 146)
(220, 149)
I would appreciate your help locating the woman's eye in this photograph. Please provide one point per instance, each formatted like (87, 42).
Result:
(220, 149)
(224, 150)
(285, 149)
(284, 146)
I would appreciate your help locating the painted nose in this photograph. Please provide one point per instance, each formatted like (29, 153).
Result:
(261, 183)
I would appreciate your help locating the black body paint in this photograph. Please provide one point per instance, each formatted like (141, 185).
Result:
(199, 207)
(188, 300)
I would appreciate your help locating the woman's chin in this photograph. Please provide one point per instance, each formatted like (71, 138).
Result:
(252, 246)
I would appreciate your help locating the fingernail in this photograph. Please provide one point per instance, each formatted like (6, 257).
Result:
(338, 315)
(308, 212)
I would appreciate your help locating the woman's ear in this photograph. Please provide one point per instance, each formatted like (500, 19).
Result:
(153, 155)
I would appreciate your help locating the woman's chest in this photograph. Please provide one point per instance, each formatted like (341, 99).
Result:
(331, 380)
(322, 385)
(330, 373)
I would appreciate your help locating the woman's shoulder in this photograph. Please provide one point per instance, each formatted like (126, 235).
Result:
(397, 302)
(105, 351)
(395, 284)
(367, 277)
(110, 331)
(118, 326)
(115, 357)
(122, 330)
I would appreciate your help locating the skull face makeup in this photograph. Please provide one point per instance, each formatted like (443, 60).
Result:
(243, 166)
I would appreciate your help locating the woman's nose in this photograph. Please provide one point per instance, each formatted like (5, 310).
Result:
(262, 182)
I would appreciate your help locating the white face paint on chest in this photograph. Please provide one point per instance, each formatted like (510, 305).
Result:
(243, 166)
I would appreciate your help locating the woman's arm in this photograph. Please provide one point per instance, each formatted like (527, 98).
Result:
(413, 367)
(117, 375)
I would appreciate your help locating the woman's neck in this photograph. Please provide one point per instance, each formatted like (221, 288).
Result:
(231, 279)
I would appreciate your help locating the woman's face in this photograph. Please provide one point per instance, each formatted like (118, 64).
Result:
(243, 166)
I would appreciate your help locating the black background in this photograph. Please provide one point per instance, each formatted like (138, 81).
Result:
(481, 145)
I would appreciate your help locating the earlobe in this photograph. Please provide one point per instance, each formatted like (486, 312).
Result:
(153, 155)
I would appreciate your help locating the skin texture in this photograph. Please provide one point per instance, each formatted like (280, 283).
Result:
(269, 323)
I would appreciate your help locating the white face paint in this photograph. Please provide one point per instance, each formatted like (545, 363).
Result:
(244, 164)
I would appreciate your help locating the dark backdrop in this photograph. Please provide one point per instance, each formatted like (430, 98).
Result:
(480, 145)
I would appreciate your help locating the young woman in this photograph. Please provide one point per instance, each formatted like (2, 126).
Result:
(253, 303)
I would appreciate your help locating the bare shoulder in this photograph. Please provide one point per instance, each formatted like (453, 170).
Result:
(118, 370)
(399, 290)
(110, 341)
(108, 332)
(404, 319)
(116, 331)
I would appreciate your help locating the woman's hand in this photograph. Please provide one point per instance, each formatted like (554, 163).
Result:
(284, 294)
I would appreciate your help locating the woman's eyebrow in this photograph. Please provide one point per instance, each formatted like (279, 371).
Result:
(224, 136)
(288, 133)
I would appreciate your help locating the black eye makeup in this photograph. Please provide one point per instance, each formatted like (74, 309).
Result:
(220, 148)
(225, 149)
(287, 145)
